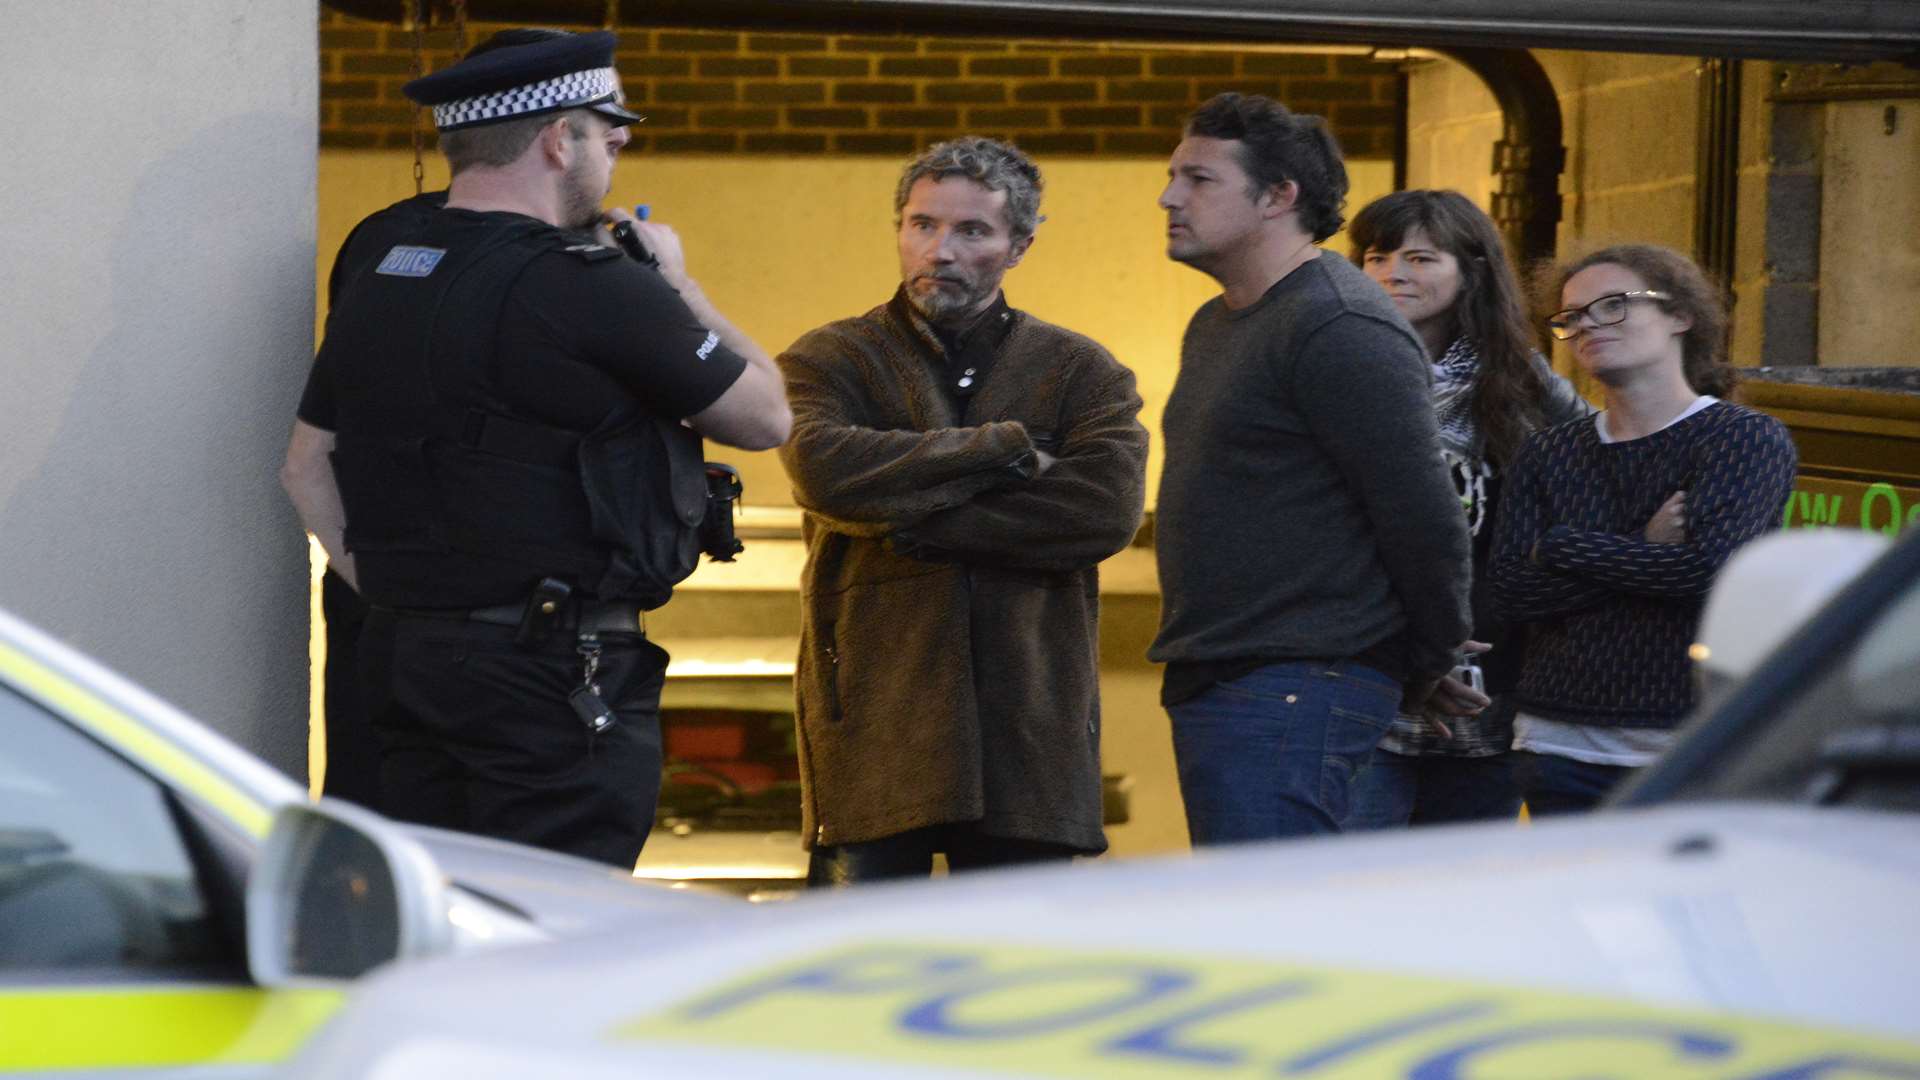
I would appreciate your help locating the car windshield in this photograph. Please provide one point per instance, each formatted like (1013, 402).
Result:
(1848, 731)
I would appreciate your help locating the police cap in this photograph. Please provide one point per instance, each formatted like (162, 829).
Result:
(517, 73)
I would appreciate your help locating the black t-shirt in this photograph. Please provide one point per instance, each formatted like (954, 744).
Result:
(579, 336)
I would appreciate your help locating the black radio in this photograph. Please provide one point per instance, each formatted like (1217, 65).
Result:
(716, 529)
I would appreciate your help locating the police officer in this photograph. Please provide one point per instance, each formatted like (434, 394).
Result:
(499, 448)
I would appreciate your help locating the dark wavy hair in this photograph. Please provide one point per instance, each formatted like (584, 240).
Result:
(1278, 145)
(1695, 296)
(1491, 312)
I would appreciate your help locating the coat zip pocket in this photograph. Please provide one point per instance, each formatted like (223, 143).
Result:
(830, 649)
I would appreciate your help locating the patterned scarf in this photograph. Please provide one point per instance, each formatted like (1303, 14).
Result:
(1453, 376)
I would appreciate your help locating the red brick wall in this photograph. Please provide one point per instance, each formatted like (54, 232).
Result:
(725, 92)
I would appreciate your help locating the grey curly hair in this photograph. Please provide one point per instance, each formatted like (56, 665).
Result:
(995, 165)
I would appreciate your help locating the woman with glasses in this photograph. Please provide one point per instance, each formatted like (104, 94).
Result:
(1613, 528)
(1440, 259)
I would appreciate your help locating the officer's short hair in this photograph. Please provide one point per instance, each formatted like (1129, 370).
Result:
(1278, 145)
(501, 144)
(994, 165)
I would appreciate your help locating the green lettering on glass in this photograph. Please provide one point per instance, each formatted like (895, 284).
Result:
(1874, 494)
(1818, 509)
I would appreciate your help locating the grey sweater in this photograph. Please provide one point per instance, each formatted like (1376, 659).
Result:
(1304, 509)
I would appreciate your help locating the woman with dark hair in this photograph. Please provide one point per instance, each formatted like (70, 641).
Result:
(1612, 529)
(1440, 259)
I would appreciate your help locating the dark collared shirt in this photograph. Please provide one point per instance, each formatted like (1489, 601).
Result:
(969, 352)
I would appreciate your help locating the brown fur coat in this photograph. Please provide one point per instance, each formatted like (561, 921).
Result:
(959, 682)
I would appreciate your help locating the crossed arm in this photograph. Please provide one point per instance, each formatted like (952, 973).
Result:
(865, 481)
(972, 494)
(1542, 569)
(1523, 590)
(1085, 506)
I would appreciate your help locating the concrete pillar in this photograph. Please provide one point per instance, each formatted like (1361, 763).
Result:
(1790, 334)
(156, 305)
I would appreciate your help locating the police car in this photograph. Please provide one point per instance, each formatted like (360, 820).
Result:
(128, 834)
(1749, 910)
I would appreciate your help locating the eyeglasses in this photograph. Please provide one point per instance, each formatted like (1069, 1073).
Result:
(1606, 311)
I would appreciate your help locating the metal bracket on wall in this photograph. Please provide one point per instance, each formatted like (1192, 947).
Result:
(1845, 82)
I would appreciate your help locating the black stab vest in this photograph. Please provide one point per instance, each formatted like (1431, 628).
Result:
(433, 466)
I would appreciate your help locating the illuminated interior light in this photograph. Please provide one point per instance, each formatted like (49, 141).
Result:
(695, 668)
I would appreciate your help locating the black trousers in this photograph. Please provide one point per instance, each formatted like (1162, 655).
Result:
(353, 750)
(477, 735)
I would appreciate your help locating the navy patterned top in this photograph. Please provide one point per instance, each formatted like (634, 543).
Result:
(1614, 613)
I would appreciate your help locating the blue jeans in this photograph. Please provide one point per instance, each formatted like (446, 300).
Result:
(1273, 752)
(1398, 789)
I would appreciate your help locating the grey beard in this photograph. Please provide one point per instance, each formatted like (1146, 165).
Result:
(939, 305)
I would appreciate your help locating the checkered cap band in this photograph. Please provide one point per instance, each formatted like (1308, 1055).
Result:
(567, 91)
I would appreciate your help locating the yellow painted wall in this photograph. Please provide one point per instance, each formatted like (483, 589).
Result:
(1629, 129)
(1631, 134)
(1452, 124)
(783, 245)
(1628, 126)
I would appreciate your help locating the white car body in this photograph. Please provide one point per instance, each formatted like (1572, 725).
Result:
(1723, 941)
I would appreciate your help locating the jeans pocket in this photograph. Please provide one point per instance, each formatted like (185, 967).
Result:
(1352, 734)
(1367, 718)
(1365, 684)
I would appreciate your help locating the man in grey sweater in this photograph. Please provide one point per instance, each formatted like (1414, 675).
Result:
(1313, 558)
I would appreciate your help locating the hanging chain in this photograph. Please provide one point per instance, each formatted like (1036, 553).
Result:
(459, 28)
(415, 17)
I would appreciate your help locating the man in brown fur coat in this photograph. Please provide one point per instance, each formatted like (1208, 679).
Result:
(964, 467)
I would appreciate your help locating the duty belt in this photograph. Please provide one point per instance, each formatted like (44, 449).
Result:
(592, 617)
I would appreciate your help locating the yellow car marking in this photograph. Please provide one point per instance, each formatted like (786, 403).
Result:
(155, 1027)
(1055, 1012)
(133, 739)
